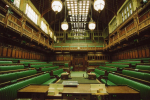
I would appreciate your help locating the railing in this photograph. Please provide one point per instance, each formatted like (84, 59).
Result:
(79, 48)
(14, 23)
(17, 25)
(2, 17)
(132, 29)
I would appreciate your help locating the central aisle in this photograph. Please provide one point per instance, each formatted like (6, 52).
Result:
(78, 74)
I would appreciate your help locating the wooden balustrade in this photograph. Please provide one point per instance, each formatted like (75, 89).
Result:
(2, 17)
(16, 24)
(115, 37)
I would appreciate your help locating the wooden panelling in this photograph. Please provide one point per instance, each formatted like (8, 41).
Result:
(143, 53)
(1, 50)
(9, 52)
(17, 53)
(13, 53)
(20, 53)
(23, 54)
(138, 52)
(4, 52)
(147, 52)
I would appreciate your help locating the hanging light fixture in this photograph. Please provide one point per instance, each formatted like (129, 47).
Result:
(56, 5)
(91, 24)
(64, 24)
(99, 5)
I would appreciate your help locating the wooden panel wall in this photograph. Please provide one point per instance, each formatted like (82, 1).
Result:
(20, 53)
(138, 52)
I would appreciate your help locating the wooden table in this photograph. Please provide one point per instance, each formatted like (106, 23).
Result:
(81, 91)
(122, 92)
(92, 76)
(37, 92)
(64, 75)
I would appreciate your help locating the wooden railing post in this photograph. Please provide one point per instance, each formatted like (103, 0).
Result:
(39, 37)
(6, 19)
(136, 21)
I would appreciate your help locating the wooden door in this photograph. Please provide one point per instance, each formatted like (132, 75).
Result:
(79, 64)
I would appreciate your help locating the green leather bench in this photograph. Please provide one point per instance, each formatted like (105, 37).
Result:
(41, 65)
(49, 68)
(14, 67)
(99, 72)
(66, 65)
(108, 68)
(71, 68)
(118, 80)
(16, 75)
(118, 65)
(140, 75)
(5, 62)
(133, 63)
(143, 67)
(57, 72)
(10, 92)
(27, 63)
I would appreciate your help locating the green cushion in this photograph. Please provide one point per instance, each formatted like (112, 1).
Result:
(66, 65)
(97, 75)
(7, 77)
(147, 76)
(108, 82)
(42, 78)
(135, 74)
(144, 89)
(10, 92)
(115, 79)
(117, 65)
(143, 67)
(108, 68)
(99, 46)
(50, 81)
(83, 46)
(5, 62)
(57, 72)
(130, 62)
(25, 73)
(14, 67)
(73, 46)
(100, 72)
(91, 46)
(65, 46)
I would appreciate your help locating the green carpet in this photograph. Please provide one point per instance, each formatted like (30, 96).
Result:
(81, 80)
(78, 74)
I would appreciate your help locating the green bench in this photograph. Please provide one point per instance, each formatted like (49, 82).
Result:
(48, 69)
(40, 65)
(16, 75)
(143, 67)
(10, 92)
(58, 72)
(140, 75)
(133, 63)
(108, 68)
(27, 63)
(99, 73)
(14, 67)
(119, 65)
(66, 65)
(5, 62)
(118, 80)
(144, 60)
(71, 68)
